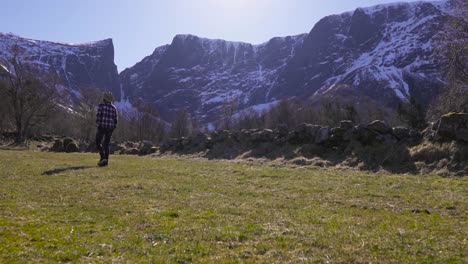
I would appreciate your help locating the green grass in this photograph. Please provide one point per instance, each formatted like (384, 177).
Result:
(150, 210)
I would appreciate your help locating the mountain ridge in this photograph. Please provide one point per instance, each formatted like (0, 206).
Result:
(78, 65)
(384, 53)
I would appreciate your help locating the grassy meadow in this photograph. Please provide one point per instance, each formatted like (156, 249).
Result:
(62, 208)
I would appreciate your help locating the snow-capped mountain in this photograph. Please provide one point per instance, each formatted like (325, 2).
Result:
(201, 74)
(384, 53)
(77, 65)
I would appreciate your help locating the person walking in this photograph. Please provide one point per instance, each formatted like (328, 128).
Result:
(106, 121)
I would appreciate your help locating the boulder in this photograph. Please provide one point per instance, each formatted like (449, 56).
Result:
(170, 145)
(129, 144)
(220, 136)
(388, 139)
(414, 134)
(346, 124)
(303, 133)
(57, 146)
(406, 134)
(453, 126)
(281, 131)
(67, 141)
(48, 138)
(131, 151)
(364, 135)
(401, 133)
(380, 127)
(339, 135)
(265, 135)
(201, 141)
(72, 147)
(146, 148)
(323, 134)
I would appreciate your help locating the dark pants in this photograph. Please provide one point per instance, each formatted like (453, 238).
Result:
(103, 145)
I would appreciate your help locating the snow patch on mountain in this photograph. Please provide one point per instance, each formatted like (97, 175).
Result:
(399, 42)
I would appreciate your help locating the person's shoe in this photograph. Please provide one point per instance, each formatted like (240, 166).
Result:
(102, 163)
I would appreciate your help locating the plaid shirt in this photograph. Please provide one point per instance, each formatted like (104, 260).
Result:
(106, 116)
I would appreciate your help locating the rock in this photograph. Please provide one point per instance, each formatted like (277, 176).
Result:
(172, 144)
(72, 147)
(220, 136)
(67, 141)
(131, 151)
(48, 138)
(281, 131)
(346, 124)
(453, 126)
(265, 135)
(129, 144)
(201, 142)
(401, 133)
(414, 134)
(406, 134)
(301, 161)
(146, 148)
(303, 133)
(380, 127)
(323, 134)
(337, 135)
(57, 146)
(364, 135)
(386, 139)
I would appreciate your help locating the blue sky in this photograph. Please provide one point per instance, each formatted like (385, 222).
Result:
(139, 26)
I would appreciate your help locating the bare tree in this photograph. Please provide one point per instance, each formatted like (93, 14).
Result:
(181, 127)
(454, 51)
(455, 42)
(90, 98)
(251, 121)
(5, 112)
(453, 99)
(229, 109)
(412, 114)
(334, 111)
(30, 98)
(284, 113)
(147, 122)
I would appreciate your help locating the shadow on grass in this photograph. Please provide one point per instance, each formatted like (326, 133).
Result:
(60, 170)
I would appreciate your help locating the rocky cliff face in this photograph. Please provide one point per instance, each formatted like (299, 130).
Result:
(384, 53)
(201, 74)
(77, 65)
